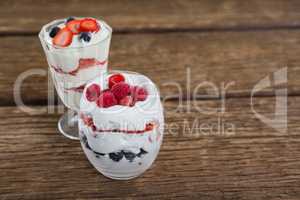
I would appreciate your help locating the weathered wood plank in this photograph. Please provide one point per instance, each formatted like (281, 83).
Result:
(28, 16)
(254, 163)
(243, 58)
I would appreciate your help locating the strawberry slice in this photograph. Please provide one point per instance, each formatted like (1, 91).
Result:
(74, 26)
(87, 62)
(63, 38)
(89, 25)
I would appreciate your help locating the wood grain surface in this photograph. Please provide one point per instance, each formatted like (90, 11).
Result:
(28, 16)
(234, 59)
(206, 154)
(254, 162)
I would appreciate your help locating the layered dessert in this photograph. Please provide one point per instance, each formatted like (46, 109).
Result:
(77, 51)
(121, 124)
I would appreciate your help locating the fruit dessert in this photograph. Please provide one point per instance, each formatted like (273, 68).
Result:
(121, 124)
(77, 51)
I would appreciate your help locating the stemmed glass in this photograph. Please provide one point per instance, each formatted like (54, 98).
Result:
(71, 69)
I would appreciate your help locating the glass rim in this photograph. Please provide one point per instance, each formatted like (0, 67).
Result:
(58, 21)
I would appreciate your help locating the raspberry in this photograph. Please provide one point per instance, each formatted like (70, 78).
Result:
(127, 101)
(139, 93)
(106, 99)
(120, 90)
(92, 92)
(116, 78)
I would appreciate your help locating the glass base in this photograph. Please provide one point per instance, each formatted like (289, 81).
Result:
(68, 125)
(111, 176)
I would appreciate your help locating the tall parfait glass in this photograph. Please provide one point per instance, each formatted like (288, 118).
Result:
(72, 68)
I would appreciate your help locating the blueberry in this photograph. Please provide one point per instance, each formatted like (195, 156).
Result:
(116, 156)
(87, 146)
(129, 155)
(69, 19)
(99, 154)
(85, 142)
(142, 152)
(83, 138)
(86, 36)
(54, 31)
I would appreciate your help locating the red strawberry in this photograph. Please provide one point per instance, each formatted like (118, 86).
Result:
(120, 90)
(116, 78)
(92, 92)
(77, 89)
(149, 127)
(74, 26)
(106, 99)
(63, 38)
(139, 93)
(89, 25)
(87, 62)
(87, 120)
(127, 101)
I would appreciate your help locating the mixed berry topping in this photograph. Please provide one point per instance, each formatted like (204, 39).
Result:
(120, 90)
(140, 93)
(63, 37)
(69, 19)
(116, 78)
(85, 36)
(93, 92)
(89, 25)
(118, 93)
(106, 99)
(54, 31)
(74, 26)
(127, 101)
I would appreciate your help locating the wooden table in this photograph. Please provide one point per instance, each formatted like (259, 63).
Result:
(234, 43)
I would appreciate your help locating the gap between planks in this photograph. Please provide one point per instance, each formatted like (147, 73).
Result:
(174, 30)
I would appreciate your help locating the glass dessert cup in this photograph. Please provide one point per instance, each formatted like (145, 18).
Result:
(122, 140)
(71, 69)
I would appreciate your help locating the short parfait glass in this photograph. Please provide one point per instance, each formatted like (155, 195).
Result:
(122, 140)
